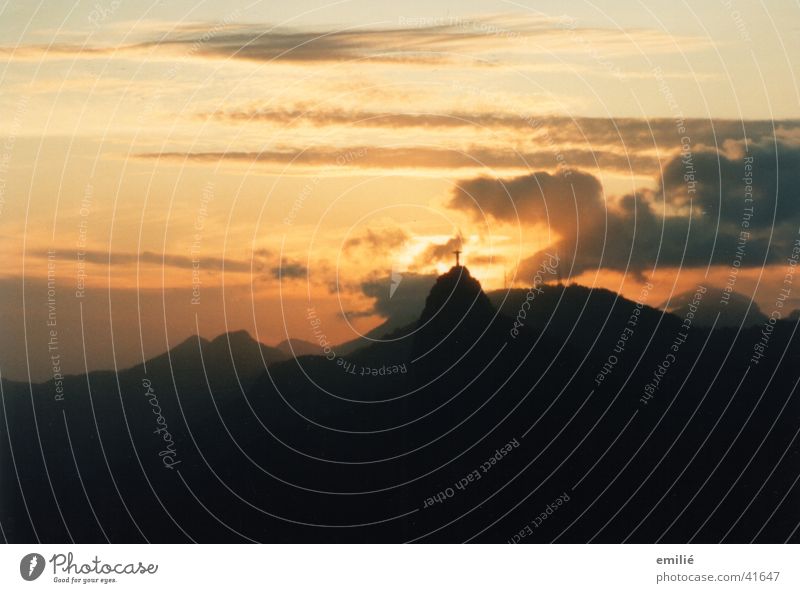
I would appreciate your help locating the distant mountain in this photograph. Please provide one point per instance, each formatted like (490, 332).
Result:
(376, 334)
(296, 347)
(733, 310)
(237, 347)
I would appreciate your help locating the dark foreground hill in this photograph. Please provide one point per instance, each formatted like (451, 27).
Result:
(558, 414)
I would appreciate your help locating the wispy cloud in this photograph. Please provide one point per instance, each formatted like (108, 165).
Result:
(416, 157)
(172, 260)
(411, 40)
(289, 269)
(508, 141)
(377, 240)
(632, 132)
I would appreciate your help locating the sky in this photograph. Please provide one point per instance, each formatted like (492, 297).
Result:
(199, 167)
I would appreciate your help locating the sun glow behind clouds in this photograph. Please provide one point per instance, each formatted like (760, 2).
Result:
(381, 122)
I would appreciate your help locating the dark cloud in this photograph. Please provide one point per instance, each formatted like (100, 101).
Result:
(436, 252)
(315, 116)
(263, 262)
(408, 299)
(629, 134)
(356, 314)
(422, 40)
(382, 240)
(483, 260)
(721, 183)
(623, 144)
(168, 259)
(694, 219)
(265, 44)
(538, 196)
(419, 157)
(289, 269)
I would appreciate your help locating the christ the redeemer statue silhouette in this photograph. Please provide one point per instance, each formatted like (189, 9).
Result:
(458, 257)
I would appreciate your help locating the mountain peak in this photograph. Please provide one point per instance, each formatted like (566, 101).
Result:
(236, 337)
(456, 293)
(457, 313)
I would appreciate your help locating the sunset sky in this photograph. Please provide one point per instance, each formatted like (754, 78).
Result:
(264, 157)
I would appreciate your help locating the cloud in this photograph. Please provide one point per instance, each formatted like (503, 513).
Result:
(289, 269)
(408, 300)
(416, 157)
(412, 40)
(256, 43)
(628, 134)
(639, 146)
(377, 241)
(436, 252)
(266, 43)
(322, 117)
(256, 264)
(538, 196)
(263, 262)
(721, 183)
(691, 221)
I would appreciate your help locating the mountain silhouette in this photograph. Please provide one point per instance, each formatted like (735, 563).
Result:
(455, 295)
(457, 315)
(296, 347)
(466, 424)
(738, 310)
